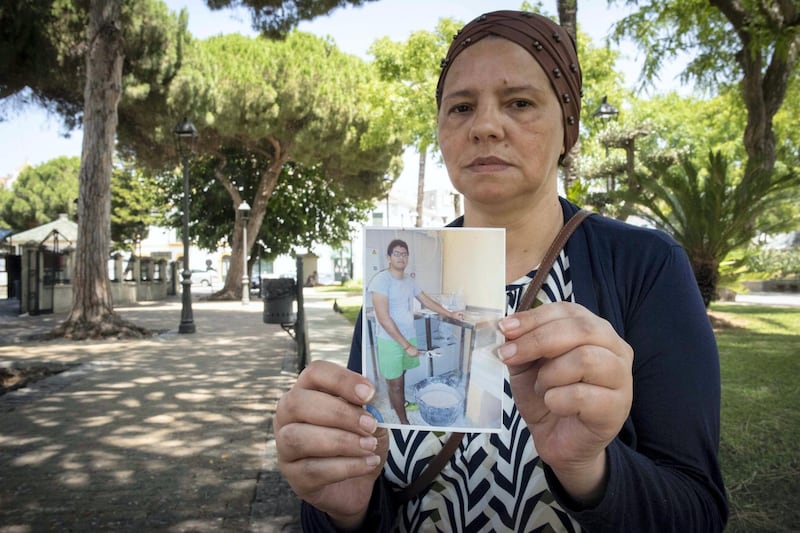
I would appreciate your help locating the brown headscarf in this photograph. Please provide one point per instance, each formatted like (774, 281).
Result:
(546, 41)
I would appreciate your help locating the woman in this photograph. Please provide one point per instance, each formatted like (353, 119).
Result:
(612, 416)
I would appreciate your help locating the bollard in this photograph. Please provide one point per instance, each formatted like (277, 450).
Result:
(279, 295)
(303, 350)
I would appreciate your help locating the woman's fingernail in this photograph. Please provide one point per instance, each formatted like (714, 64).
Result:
(507, 350)
(368, 423)
(369, 443)
(507, 324)
(373, 460)
(364, 392)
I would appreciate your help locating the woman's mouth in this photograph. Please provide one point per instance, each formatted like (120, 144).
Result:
(487, 164)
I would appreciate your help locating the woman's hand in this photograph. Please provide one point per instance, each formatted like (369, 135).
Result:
(571, 380)
(329, 448)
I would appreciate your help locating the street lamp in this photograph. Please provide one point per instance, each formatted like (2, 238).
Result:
(185, 136)
(244, 211)
(606, 110)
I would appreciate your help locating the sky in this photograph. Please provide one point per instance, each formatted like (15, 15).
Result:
(32, 137)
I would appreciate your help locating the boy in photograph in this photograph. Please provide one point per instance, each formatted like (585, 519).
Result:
(393, 293)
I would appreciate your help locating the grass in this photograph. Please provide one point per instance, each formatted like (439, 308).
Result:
(759, 448)
(760, 426)
(348, 296)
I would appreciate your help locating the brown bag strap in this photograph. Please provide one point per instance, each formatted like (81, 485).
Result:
(436, 464)
(550, 257)
(433, 468)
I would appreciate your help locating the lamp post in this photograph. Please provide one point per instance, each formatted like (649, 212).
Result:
(606, 112)
(244, 211)
(387, 181)
(185, 135)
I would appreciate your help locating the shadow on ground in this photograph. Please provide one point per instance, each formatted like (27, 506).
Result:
(169, 433)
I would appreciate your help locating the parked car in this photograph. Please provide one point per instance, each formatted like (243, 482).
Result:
(206, 278)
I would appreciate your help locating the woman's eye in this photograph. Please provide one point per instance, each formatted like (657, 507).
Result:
(460, 108)
(521, 104)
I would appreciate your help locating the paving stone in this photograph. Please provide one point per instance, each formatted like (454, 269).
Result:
(171, 433)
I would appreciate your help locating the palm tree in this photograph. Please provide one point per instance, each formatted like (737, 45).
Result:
(708, 211)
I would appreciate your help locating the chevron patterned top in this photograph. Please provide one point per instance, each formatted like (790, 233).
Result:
(494, 482)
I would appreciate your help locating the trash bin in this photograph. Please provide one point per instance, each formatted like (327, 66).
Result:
(279, 295)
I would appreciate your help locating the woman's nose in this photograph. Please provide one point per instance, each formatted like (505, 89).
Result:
(486, 124)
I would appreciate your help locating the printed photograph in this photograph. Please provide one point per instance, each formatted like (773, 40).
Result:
(430, 334)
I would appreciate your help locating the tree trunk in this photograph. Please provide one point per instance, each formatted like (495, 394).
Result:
(423, 154)
(626, 208)
(232, 289)
(763, 87)
(570, 167)
(92, 314)
(706, 272)
(568, 19)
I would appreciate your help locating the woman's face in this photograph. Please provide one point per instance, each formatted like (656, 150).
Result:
(500, 125)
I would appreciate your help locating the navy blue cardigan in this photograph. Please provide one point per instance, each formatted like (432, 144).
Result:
(663, 468)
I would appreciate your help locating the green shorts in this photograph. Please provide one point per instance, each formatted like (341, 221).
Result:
(393, 359)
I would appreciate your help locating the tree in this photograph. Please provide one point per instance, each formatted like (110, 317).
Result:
(92, 313)
(40, 54)
(649, 130)
(413, 68)
(135, 199)
(6, 196)
(41, 193)
(754, 43)
(275, 18)
(298, 100)
(55, 48)
(673, 181)
(43, 46)
(306, 207)
(708, 210)
(568, 18)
